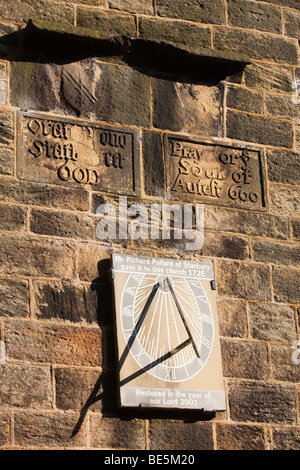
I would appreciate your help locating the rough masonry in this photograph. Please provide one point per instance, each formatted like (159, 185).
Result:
(158, 101)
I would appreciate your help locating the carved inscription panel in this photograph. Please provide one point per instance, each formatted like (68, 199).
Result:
(71, 152)
(214, 173)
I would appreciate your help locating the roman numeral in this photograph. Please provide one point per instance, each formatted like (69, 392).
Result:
(206, 343)
(202, 298)
(130, 291)
(170, 374)
(206, 318)
(194, 282)
(129, 333)
(127, 311)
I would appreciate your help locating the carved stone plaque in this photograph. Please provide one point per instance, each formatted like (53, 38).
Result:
(215, 173)
(81, 153)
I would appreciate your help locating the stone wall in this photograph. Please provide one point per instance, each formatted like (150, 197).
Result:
(100, 63)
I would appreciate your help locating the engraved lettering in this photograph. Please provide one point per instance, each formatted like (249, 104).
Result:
(244, 176)
(237, 192)
(57, 151)
(78, 174)
(184, 165)
(196, 170)
(253, 197)
(113, 159)
(34, 126)
(211, 172)
(78, 153)
(176, 148)
(179, 150)
(38, 149)
(113, 139)
(46, 127)
(58, 130)
(190, 187)
(245, 157)
(64, 173)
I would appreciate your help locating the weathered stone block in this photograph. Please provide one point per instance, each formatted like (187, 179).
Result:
(77, 389)
(244, 100)
(23, 10)
(247, 281)
(241, 359)
(283, 166)
(114, 433)
(286, 285)
(178, 435)
(179, 33)
(3, 71)
(93, 263)
(297, 137)
(282, 365)
(73, 302)
(7, 159)
(193, 10)
(292, 24)
(25, 386)
(133, 6)
(7, 28)
(12, 218)
(252, 15)
(34, 86)
(54, 343)
(49, 430)
(225, 246)
(61, 224)
(284, 200)
(232, 315)
(262, 402)
(84, 390)
(94, 3)
(3, 92)
(86, 89)
(248, 223)
(276, 253)
(240, 437)
(6, 127)
(286, 438)
(256, 45)
(271, 322)
(153, 164)
(14, 298)
(259, 130)
(44, 195)
(65, 301)
(277, 78)
(29, 257)
(5, 428)
(184, 107)
(281, 106)
(286, 3)
(110, 23)
(296, 228)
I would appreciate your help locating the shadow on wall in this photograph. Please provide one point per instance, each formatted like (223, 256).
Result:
(156, 59)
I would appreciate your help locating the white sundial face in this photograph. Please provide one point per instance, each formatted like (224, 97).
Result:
(168, 325)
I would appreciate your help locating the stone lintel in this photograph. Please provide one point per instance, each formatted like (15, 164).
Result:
(56, 42)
